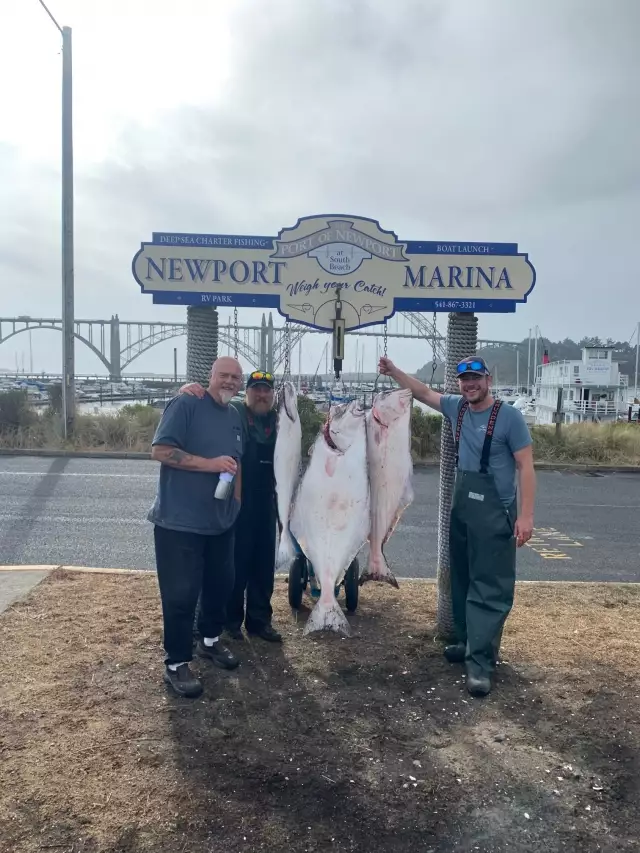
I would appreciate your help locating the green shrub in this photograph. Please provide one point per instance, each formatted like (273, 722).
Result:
(143, 415)
(55, 398)
(311, 421)
(15, 411)
(426, 430)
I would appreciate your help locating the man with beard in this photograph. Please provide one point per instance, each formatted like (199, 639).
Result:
(492, 443)
(196, 441)
(255, 539)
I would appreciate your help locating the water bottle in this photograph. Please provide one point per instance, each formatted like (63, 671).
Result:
(224, 486)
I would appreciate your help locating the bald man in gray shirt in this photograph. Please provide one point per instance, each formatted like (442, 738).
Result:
(196, 441)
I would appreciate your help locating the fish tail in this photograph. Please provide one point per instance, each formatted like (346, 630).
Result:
(378, 570)
(286, 550)
(327, 617)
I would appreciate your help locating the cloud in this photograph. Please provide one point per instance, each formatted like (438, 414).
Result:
(510, 121)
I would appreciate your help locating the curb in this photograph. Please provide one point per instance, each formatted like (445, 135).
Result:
(75, 454)
(91, 570)
(116, 454)
(587, 469)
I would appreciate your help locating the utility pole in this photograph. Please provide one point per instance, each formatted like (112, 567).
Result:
(529, 366)
(518, 370)
(68, 341)
(637, 360)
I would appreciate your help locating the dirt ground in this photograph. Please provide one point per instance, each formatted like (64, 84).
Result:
(324, 744)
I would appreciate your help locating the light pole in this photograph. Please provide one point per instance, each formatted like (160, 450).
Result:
(68, 342)
(637, 359)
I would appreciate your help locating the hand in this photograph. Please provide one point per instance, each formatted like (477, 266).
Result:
(523, 530)
(223, 465)
(386, 367)
(194, 389)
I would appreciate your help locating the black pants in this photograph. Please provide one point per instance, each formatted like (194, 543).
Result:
(190, 565)
(255, 557)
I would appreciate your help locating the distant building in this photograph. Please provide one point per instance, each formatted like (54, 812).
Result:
(593, 389)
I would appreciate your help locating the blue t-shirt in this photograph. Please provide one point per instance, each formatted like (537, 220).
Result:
(185, 499)
(510, 434)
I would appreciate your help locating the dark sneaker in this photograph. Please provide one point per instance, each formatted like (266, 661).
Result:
(219, 654)
(268, 633)
(478, 685)
(234, 633)
(455, 653)
(183, 681)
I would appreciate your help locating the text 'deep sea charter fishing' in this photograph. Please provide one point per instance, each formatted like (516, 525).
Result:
(299, 271)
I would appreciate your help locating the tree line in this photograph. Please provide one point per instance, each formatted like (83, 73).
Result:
(502, 361)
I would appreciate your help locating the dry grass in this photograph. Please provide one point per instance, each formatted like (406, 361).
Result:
(310, 747)
(133, 427)
(607, 444)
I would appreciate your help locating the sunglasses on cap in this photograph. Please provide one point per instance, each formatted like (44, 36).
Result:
(472, 367)
(261, 374)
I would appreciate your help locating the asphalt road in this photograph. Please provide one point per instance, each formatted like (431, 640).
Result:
(88, 512)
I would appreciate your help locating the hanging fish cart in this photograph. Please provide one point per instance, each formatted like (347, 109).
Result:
(301, 577)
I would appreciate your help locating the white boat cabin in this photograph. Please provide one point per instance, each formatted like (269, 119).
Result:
(593, 389)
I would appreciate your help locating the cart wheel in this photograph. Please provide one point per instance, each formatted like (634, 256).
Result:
(297, 581)
(351, 585)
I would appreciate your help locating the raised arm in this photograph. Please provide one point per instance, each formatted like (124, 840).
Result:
(419, 390)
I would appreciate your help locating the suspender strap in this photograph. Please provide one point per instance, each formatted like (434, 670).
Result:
(486, 448)
(461, 414)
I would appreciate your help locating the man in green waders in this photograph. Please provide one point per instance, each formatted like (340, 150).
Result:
(492, 443)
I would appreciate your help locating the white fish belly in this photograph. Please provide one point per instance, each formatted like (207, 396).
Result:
(286, 465)
(331, 514)
(390, 471)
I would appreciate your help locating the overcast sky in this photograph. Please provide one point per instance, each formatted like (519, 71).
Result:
(497, 120)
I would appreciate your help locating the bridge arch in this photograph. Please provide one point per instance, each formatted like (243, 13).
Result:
(77, 335)
(145, 344)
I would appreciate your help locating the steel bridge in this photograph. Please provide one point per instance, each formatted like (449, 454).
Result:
(117, 343)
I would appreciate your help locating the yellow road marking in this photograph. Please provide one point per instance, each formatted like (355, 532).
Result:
(544, 539)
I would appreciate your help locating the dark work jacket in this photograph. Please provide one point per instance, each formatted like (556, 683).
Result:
(258, 482)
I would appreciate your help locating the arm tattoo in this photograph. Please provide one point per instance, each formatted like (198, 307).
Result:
(176, 457)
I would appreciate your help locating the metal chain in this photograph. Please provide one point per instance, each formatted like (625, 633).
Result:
(385, 340)
(434, 363)
(235, 333)
(287, 350)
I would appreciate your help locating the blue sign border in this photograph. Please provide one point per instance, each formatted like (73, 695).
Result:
(441, 248)
(246, 241)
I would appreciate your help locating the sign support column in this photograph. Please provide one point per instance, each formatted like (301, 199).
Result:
(462, 340)
(202, 342)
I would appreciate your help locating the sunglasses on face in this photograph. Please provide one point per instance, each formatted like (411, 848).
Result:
(470, 367)
(261, 374)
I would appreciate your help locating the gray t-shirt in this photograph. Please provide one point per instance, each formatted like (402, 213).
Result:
(184, 499)
(510, 434)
